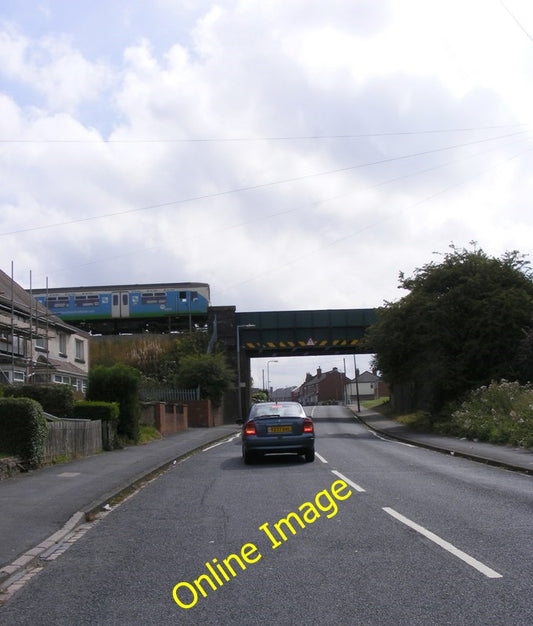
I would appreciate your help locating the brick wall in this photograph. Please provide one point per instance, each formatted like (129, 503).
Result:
(168, 418)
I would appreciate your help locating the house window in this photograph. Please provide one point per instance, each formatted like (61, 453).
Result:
(12, 344)
(40, 344)
(62, 338)
(80, 351)
(18, 377)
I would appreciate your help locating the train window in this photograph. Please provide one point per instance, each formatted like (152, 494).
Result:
(57, 302)
(88, 300)
(183, 296)
(125, 299)
(154, 297)
(115, 299)
(194, 296)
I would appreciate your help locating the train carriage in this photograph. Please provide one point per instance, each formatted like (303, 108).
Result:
(155, 304)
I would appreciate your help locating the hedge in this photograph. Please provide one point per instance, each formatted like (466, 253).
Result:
(57, 400)
(87, 410)
(23, 430)
(119, 383)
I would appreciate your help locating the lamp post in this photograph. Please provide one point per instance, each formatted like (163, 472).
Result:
(239, 383)
(268, 377)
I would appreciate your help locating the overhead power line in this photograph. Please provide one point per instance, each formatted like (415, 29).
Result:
(265, 139)
(261, 185)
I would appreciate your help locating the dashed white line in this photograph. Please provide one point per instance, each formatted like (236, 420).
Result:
(487, 571)
(321, 458)
(348, 481)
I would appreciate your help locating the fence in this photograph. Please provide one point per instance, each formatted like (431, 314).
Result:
(169, 394)
(72, 439)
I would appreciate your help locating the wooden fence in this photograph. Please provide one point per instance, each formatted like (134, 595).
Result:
(72, 439)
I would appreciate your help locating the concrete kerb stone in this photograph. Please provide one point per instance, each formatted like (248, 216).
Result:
(9, 574)
(444, 450)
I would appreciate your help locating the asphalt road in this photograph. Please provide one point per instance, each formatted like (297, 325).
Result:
(392, 534)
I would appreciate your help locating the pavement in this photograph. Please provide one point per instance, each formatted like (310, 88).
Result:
(509, 457)
(40, 509)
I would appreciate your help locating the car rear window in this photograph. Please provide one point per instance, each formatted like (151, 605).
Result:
(283, 410)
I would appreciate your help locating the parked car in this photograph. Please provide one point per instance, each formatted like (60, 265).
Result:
(276, 428)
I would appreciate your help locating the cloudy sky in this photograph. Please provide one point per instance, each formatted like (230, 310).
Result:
(294, 154)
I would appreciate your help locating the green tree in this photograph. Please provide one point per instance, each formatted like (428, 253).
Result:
(210, 372)
(460, 326)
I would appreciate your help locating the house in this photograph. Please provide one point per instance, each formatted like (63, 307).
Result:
(323, 387)
(368, 385)
(36, 346)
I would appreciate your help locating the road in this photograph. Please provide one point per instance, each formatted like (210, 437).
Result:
(389, 534)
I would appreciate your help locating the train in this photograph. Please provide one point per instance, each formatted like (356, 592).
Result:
(127, 307)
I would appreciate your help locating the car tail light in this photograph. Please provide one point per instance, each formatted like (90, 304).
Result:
(249, 428)
(308, 426)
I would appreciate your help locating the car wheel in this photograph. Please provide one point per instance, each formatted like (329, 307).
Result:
(309, 456)
(247, 456)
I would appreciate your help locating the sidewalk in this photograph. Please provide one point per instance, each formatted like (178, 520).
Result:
(39, 508)
(509, 457)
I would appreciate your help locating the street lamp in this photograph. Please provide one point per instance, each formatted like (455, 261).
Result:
(239, 384)
(268, 377)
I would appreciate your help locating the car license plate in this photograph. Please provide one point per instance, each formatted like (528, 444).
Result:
(280, 429)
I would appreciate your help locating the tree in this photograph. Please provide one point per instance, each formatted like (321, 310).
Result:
(210, 372)
(460, 326)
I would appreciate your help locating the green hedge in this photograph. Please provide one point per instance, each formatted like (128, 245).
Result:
(57, 400)
(119, 383)
(87, 410)
(23, 430)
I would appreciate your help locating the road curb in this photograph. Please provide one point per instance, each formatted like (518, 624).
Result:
(445, 450)
(9, 574)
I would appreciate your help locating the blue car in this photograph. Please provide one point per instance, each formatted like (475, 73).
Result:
(277, 428)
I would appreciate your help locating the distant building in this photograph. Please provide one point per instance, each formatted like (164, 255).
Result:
(284, 394)
(369, 385)
(36, 346)
(323, 387)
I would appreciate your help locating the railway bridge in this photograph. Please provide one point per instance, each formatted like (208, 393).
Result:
(283, 333)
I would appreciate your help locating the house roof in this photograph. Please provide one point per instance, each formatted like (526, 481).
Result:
(12, 294)
(368, 377)
(57, 365)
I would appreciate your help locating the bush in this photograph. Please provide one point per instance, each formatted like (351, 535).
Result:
(499, 413)
(23, 430)
(87, 410)
(121, 384)
(57, 400)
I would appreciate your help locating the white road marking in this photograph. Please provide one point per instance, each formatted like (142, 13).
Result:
(220, 443)
(69, 474)
(348, 481)
(487, 571)
(388, 439)
(320, 457)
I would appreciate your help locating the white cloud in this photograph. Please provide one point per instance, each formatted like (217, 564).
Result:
(197, 144)
(53, 68)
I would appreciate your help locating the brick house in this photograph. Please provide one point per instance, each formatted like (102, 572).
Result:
(36, 346)
(323, 387)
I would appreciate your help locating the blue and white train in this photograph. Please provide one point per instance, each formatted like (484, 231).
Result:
(126, 302)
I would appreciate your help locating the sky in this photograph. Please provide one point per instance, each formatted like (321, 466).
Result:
(294, 154)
